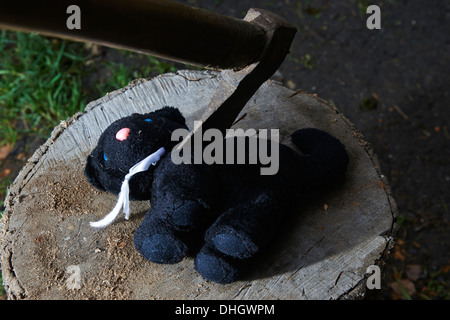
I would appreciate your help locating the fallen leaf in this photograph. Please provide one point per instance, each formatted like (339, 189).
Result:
(5, 150)
(20, 156)
(402, 289)
(5, 173)
(399, 256)
(415, 244)
(399, 251)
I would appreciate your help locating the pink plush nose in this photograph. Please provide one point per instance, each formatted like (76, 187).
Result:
(122, 134)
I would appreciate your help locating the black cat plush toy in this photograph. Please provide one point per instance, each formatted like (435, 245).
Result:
(223, 213)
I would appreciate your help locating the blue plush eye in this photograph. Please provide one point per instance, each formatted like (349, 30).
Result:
(148, 120)
(105, 157)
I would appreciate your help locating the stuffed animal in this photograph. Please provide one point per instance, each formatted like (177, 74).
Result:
(224, 214)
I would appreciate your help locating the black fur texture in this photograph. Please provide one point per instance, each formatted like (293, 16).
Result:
(222, 213)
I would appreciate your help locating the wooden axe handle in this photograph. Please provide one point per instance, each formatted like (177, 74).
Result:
(158, 27)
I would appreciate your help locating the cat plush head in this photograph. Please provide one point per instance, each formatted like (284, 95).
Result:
(125, 143)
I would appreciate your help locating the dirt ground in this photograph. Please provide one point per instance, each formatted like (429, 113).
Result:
(391, 83)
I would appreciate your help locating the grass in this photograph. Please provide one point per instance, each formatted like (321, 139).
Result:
(45, 80)
(362, 6)
(40, 83)
(2, 290)
(119, 75)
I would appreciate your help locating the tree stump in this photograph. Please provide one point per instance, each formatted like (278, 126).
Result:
(322, 252)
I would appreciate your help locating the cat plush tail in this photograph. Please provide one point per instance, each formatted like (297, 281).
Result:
(325, 159)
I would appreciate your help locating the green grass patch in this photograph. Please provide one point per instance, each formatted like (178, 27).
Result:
(40, 83)
(2, 290)
(45, 80)
(117, 75)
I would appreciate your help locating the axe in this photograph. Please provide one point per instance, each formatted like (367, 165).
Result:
(249, 51)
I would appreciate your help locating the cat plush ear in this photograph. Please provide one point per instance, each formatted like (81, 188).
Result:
(171, 113)
(91, 173)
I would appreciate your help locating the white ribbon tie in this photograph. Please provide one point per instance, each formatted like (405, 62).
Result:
(124, 197)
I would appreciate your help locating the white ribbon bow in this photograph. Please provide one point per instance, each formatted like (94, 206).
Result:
(124, 198)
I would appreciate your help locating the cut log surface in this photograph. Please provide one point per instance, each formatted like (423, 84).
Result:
(322, 251)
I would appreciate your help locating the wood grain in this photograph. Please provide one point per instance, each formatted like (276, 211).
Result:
(322, 252)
